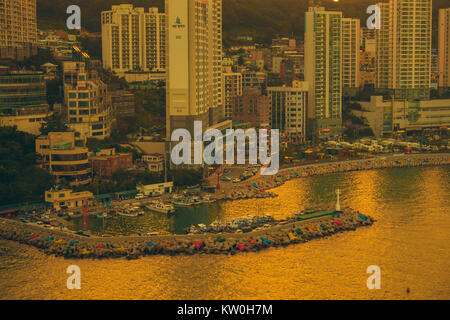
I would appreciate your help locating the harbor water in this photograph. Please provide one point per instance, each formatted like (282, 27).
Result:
(410, 242)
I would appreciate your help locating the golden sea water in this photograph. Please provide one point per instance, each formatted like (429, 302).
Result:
(410, 242)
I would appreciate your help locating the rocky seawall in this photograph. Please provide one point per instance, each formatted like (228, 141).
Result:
(68, 245)
(257, 186)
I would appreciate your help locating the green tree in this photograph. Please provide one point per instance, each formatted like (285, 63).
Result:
(53, 123)
(185, 177)
(20, 180)
(54, 91)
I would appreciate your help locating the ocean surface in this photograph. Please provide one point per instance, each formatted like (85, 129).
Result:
(410, 242)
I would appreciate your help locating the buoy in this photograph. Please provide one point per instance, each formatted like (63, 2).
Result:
(291, 236)
(197, 244)
(241, 247)
(85, 251)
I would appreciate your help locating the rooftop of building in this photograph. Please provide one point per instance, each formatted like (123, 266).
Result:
(21, 73)
(154, 154)
(108, 157)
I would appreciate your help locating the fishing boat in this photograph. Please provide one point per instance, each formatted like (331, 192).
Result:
(182, 203)
(101, 215)
(207, 200)
(130, 212)
(160, 206)
(127, 213)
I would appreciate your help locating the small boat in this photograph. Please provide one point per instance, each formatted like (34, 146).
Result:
(183, 203)
(81, 233)
(208, 200)
(160, 206)
(127, 213)
(101, 215)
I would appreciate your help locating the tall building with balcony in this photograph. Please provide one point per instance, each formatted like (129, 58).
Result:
(18, 29)
(288, 109)
(252, 79)
(88, 104)
(232, 87)
(403, 55)
(368, 40)
(252, 107)
(444, 48)
(367, 69)
(133, 40)
(351, 43)
(63, 159)
(23, 100)
(194, 64)
(323, 70)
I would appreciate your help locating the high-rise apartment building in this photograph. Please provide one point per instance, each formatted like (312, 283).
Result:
(323, 70)
(252, 107)
(350, 52)
(194, 63)
(368, 40)
(253, 79)
(404, 48)
(18, 29)
(288, 109)
(232, 87)
(133, 40)
(444, 48)
(89, 110)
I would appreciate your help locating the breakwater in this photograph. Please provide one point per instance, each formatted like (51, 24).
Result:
(58, 243)
(257, 186)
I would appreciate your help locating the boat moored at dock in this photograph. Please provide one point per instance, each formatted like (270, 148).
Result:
(160, 207)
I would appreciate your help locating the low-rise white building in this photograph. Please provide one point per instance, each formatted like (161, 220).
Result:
(67, 199)
(155, 189)
(387, 116)
(154, 161)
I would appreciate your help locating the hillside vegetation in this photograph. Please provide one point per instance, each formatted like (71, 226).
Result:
(264, 19)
